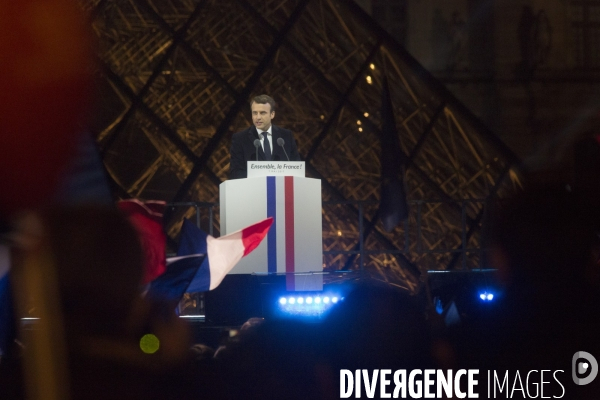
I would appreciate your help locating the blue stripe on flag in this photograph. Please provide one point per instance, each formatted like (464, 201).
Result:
(179, 277)
(272, 235)
(201, 281)
(192, 239)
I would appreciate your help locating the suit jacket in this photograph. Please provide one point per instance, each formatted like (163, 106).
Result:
(243, 150)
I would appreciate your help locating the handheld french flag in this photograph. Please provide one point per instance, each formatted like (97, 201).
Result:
(203, 261)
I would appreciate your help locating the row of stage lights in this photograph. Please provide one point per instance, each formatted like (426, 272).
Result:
(307, 305)
(308, 300)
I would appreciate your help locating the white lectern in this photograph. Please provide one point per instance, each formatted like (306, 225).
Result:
(294, 244)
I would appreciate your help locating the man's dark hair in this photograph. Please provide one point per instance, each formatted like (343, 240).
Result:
(264, 99)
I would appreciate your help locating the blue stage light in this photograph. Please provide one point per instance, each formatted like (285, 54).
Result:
(439, 307)
(325, 299)
(300, 300)
(485, 296)
(317, 300)
(292, 300)
(309, 300)
(334, 300)
(282, 301)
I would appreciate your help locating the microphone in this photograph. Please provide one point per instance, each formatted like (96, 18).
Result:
(257, 145)
(281, 142)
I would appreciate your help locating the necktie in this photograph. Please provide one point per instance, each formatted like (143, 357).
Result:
(267, 147)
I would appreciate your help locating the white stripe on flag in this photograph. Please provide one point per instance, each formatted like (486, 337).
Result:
(223, 254)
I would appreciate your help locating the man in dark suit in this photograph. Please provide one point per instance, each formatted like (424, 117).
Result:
(242, 143)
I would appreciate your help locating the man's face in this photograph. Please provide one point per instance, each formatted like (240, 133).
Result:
(262, 115)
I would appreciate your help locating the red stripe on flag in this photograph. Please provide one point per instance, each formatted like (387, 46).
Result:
(290, 266)
(147, 219)
(253, 235)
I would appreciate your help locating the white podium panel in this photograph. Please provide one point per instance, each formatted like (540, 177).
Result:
(294, 244)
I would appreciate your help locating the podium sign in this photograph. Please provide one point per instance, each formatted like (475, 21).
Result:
(294, 244)
(276, 168)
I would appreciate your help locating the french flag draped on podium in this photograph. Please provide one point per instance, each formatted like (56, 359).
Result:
(294, 243)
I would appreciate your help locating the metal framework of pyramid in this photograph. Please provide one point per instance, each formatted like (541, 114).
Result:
(175, 81)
